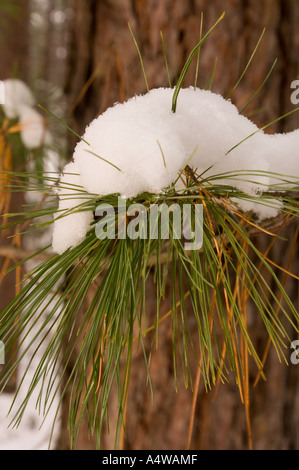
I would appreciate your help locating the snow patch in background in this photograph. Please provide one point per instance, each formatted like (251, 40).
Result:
(29, 435)
(16, 94)
(33, 433)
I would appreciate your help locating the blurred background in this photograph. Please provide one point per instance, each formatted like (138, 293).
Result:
(78, 58)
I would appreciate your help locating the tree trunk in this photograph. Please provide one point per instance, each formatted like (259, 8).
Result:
(14, 39)
(104, 56)
(14, 64)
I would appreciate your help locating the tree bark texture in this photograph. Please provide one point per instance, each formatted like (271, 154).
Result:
(14, 40)
(14, 63)
(103, 56)
(102, 46)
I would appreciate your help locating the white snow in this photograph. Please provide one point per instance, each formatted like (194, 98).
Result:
(70, 230)
(132, 136)
(32, 127)
(16, 95)
(19, 104)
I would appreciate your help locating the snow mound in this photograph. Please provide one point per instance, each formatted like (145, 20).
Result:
(141, 145)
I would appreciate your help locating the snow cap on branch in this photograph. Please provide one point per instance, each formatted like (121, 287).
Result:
(141, 146)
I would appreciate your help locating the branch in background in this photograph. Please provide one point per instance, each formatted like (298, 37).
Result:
(18, 253)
